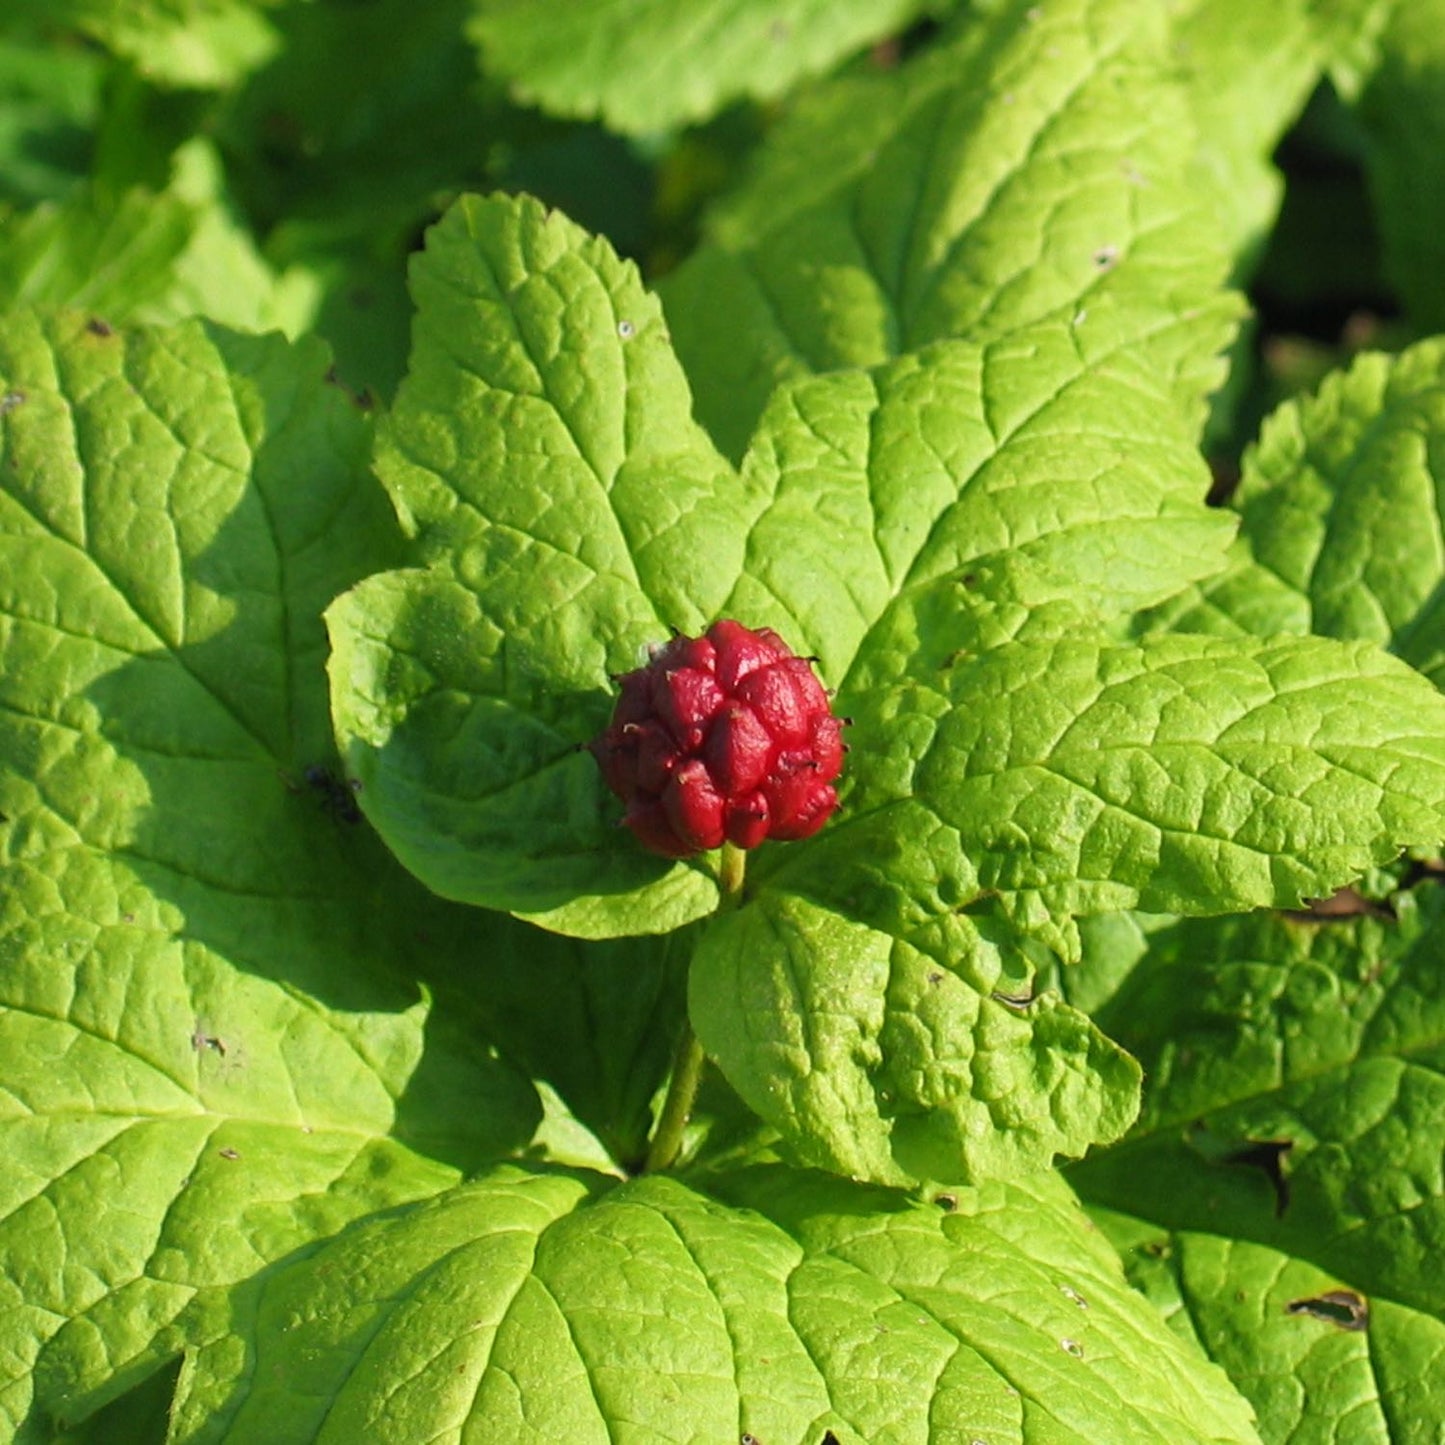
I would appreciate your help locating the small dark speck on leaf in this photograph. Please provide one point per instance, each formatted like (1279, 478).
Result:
(935, 978)
(969, 579)
(946, 1202)
(97, 327)
(626, 330)
(10, 401)
(748, 1438)
(229, 1153)
(1105, 257)
(1342, 1307)
(201, 1041)
(829, 1439)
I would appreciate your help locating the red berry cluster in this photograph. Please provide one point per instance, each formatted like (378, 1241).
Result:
(724, 737)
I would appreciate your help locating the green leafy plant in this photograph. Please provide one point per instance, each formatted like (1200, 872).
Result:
(363, 1077)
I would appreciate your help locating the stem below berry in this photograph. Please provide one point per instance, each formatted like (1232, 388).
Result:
(688, 1062)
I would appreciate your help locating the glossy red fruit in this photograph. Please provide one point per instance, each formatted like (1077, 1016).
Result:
(728, 737)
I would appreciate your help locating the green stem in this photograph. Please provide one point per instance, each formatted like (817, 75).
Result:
(689, 1060)
(676, 1108)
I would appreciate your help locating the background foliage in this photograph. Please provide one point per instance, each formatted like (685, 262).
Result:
(1002, 354)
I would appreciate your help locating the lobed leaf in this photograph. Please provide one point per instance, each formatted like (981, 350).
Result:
(1187, 774)
(542, 452)
(1282, 1194)
(942, 502)
(217, 1046)
(571, 510)
(1034, 165)
(536, 1307)
(1341, 517)
(879, 1061)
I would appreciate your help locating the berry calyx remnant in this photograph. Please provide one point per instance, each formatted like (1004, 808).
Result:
(728, 737)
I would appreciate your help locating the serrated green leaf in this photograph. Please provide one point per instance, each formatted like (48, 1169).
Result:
(49, 98)
(942, 502)
(464, 690)
(192, 43)
(542, 452)
(1035, 166)
(1189, 774)
(149, 256)
(1341, 518)
(532, 1307)
(878, 1061)
(1403, 111)
(214, 1038)
(1249, 70)
(650, 65)
(1283, 1186)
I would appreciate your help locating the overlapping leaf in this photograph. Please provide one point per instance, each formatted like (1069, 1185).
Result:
(215, 1044)
(876, 1060)
(193, 43)
(1403, 110)
(149, 256)
(1282, 1196)
(650, 65)
(1249, 70)
(1186, 774)
(1036, 166)
(952, 535)
(542, 452)
(538, 1307)
(1341, 529)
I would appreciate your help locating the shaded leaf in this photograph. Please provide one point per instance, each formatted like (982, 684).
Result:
(650, 65)
(217, 1042)
(1282, 1196)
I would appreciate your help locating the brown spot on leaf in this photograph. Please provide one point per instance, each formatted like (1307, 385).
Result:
(1342, 1307)
(97, 327)
(1019, 1001)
